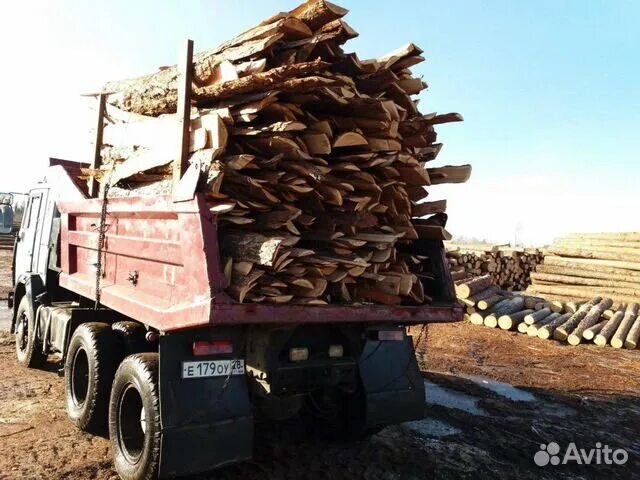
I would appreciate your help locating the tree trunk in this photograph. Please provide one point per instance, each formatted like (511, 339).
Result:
(532, 330)
(589, 320)
(627, 322)
(602, 338)
(552, 279)
(631, 341)
(509, 321)
(512, 305)
(546, 331)
(595, 254)
(602, 273)
(537, 316)
(562, 332)
(591, 332)
(616, 294)
(489, 302)
(593, 264)
(465, 290)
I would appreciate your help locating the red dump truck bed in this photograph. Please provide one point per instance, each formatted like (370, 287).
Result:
(161, 266)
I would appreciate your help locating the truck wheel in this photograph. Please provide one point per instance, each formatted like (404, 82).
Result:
(337, 416)
(28, 348)
(92, 360)
(132, 336)
(134, 418)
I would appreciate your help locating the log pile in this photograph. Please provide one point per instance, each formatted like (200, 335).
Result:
(509, 267)
(313, 162)
(573, 323)
(582, 266)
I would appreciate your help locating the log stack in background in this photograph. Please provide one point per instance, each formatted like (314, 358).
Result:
(313, 160)
(582, 266)
(509, 267)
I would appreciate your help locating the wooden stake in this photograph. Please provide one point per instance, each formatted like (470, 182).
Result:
(184, 111)
(97, 157)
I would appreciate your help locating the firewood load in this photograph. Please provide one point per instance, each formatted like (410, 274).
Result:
(509, 267)
(313, 161)
(581, 266)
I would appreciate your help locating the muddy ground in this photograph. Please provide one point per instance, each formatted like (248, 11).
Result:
(474, 428)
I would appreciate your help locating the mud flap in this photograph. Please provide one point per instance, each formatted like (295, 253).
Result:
(392, 383)
(206, 422)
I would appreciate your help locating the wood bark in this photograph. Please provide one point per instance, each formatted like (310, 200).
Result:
(474, 286)
(548, 330)
(615, 294)
(532, 330)
(511, 320)
(449, 174)
(562, 332)
(552, 279)
(507, 307)
(589, 320)
(593, 263)
(251, 247)
(591, 332)
(623, 329)
(631, 342)
(602, 273)
(487, 303)
(610, 328)
(537, 316)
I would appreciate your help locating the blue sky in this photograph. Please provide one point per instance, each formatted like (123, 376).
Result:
(549, 90)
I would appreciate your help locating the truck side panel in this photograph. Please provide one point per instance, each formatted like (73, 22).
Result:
(161, 266)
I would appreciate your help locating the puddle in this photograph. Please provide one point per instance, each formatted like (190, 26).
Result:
(431, 428)
(438, 395)
(503, 389)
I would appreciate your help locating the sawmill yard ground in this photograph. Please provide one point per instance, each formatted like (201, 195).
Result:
(492, 399)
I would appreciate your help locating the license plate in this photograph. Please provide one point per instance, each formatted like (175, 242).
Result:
(212, 368)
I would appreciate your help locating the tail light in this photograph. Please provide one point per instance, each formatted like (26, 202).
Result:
(212, 348)
(298, 354)
(336, 351)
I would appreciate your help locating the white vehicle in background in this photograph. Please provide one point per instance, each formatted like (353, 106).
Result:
(6, 213)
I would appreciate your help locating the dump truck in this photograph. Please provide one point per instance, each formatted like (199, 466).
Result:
(128, 293)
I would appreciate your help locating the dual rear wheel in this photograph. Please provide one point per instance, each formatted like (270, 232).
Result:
(108, 383)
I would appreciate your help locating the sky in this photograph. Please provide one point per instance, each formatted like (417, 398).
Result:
(549, 90)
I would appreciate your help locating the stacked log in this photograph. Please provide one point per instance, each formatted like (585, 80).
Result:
(581, 266)
(313, 162)
(508, 267)
(572, 322)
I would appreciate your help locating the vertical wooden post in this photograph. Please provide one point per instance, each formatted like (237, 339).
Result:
(97, 158)
(185, 68)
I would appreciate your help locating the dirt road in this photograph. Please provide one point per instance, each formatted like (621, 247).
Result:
(474, 427)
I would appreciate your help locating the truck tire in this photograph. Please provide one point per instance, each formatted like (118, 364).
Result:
(28, 348)
(132, 336)
(92, 360)
(134, 418)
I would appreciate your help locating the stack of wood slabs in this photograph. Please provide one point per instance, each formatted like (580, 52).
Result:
(581, 266)
(509, 267)
(313, 161)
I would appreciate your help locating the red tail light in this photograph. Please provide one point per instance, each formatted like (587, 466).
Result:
(390, 335)
(211, 348)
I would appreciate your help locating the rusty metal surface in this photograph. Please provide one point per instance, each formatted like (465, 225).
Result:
(161, 266)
